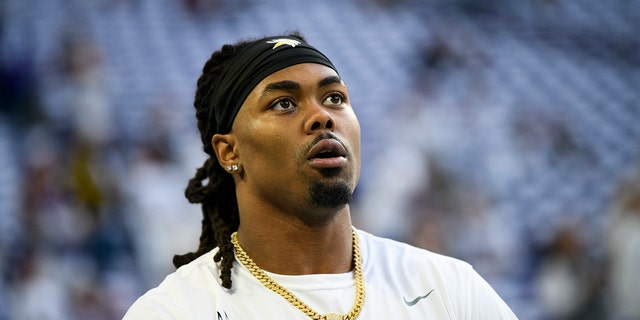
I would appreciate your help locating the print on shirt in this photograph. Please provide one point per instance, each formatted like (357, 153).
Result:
(416, 300)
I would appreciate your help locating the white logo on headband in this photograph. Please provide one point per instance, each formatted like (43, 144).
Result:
(283, 41)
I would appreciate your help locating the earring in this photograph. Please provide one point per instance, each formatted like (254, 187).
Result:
(232, 167)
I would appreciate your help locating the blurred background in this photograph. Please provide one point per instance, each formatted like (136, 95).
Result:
(503, 132)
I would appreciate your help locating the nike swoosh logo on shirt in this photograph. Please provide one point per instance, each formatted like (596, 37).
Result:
(416, 300)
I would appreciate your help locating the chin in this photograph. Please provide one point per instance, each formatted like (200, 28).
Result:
(330, 195)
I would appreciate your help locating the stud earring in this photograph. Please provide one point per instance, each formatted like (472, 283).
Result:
(232, 167)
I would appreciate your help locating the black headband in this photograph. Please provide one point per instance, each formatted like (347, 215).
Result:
(253, 63)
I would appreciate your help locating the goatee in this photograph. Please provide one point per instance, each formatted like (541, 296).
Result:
(330, 195)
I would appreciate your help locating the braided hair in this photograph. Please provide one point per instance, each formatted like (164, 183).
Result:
(212, 186)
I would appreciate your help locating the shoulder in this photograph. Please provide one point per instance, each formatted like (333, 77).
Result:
(399, 268)
(390, 252)
(188, 288)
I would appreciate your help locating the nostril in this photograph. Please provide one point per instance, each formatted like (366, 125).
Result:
(321, 125)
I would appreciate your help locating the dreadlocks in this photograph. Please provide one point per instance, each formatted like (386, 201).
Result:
(211, 186)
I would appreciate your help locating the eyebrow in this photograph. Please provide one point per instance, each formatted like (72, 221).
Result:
(329, 80)
(288, 85)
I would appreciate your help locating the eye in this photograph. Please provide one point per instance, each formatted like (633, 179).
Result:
(283, 104)
(334, 99)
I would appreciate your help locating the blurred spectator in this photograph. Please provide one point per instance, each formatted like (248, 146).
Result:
(91, 114)
(624, 253)
(76, 102)
(38, 293)
(568, 280)
(157, 206)
(560, 281)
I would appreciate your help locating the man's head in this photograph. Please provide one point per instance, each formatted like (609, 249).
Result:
(276, 121)
(296, 142)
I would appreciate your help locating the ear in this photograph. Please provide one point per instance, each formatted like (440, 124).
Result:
(224, 147)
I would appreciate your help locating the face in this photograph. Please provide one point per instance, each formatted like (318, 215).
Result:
(297, 140)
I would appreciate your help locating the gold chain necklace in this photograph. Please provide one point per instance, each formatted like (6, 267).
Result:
(295, 301)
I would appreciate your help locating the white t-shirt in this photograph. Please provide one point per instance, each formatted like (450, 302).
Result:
(401, 282)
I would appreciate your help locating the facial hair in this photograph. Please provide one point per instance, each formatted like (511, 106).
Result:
(332, 195)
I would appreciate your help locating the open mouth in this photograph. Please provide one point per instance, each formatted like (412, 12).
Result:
(327, 148)
(327, 153)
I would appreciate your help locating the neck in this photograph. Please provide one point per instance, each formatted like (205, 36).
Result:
(286, 246)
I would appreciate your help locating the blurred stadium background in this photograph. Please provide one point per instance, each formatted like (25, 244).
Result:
(505, 133)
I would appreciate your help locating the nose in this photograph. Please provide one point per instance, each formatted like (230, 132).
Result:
(319, 119)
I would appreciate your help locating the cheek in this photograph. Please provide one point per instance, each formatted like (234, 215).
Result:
(354, 132)
(262, 145)
(354, 136)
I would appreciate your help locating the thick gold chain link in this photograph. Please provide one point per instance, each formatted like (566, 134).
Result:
(295, 301)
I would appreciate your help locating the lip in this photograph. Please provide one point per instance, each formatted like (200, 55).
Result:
(327, 145)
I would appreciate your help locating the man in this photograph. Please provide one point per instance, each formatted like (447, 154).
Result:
(277, 241)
